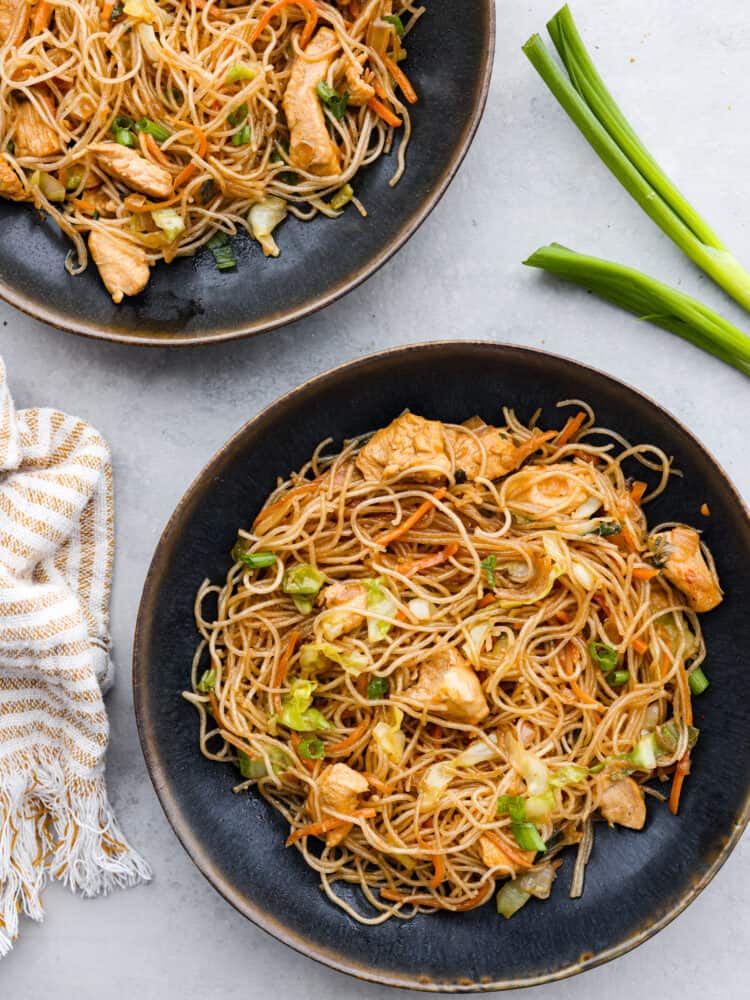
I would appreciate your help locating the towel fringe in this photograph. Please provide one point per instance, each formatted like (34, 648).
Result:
(54, 827)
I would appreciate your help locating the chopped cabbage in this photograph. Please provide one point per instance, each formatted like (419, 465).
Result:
(296, 708)
(389, 736)
(264, 217)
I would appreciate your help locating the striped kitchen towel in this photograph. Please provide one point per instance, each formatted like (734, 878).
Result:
(56, 547)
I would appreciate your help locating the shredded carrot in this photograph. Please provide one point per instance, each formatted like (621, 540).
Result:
(563, 617)
(705, 510)
(23, 27)
(415, 518)
(438, 863)
(681, 772)
(137, 203)
(384, 112)
(639, 646)
(402, 80)
(280, 673)
(377, 784)
(584, 696)
(350, 740)
(626, 536)
(152, 147)
(107, 9)
(292, 494)
(42, 17)
(481, 897)
(637, 491)
(486, 600)
(379, 89)
(427, 562)
(272, 11)
(84, 205)
(524, 450)
(666, 664)
(296, 740)
(235, 741)
(324, 826)
(571, 428)
(644, 572)
(187, 172)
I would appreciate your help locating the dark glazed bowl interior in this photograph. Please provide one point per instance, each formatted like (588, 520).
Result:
(189, 301)
(636, 882)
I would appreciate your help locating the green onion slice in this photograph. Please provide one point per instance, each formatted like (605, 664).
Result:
(207, 681)
(618, 677)
(698, 681)
(311, 748)
(377, 688)
(604, 656)
(239, 72)
(125, 137)
(153, 129)
(488, 565)
(398, 24)
(243, 137)
(255, 560)
(221, 249)
(239, 114)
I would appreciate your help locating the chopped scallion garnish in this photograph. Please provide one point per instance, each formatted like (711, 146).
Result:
(221, 249)
(604, 656)
(488, 566)
(255, 560)
(618, 677)
(239, 72)
(335, 102)
(342, 197)
(207, 681)
(377, 687)
(243, 137)
(153, 129)
(311, 748)
(698, 681)
(11, 147)
(238, 116)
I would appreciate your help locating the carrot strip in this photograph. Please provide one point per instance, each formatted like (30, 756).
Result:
(350, 740)
(187, 172)
(280, 673)
(309, 764)
(523, 451)
(681, 772)
(427, 562)
(235, 741)
(571, 427)
(626, 536)
(402, 80)
(584, 696)
(315, 829)
(380, 786)
(563, 617)
(137, 203)
(42, 17)
(438, 863)
(644, 572)
(639, 646)
(637, 491)
(384, 112)
(84, 205)
(23, 27)
(151, 146)
(408, 524)
(279, 504)
(272, 11)
(481, 897)
(486, 600)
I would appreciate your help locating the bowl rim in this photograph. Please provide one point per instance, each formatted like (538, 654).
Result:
(181, 827)
(47, 313)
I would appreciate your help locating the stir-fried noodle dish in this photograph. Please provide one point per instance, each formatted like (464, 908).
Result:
(147, 129)
(443, 652)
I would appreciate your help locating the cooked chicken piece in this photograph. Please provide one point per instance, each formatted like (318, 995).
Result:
(348, 602)
(122, 265)
(687, 569)
(310, 146)
(622, 801)
(360, 92)
(8, 10)
(551, 489)
(493, 857)
(449, 687)
(10, 186)
(406, 443)
(338, 790)
(502, 455)
(134, 170)
(34, 137)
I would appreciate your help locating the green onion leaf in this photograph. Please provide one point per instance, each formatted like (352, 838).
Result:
(243, 137)
(604, 656)
(398, 24)
(255, 560)
(95, 215)
(591, 107)
(239, 72)
(342, 197)
(153, 129)
(527, 837)
(608, 528)
(335, 102)
(649, 299)
(698, 681)
(488, 565)
(221, 249)
(377, 688)
(125, 137)
(618, 677)
(207, 681)
(239, 114)
(122, 121)
(11, 147)
(311, 748)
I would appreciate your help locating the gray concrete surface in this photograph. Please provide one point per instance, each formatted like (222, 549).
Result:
(680, 70)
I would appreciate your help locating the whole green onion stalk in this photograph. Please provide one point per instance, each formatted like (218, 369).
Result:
(649, 299)
(593, 110)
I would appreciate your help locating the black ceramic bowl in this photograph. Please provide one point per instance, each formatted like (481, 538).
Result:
(189, 301)
(636, 881)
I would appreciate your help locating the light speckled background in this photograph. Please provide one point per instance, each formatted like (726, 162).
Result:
(680, 68)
